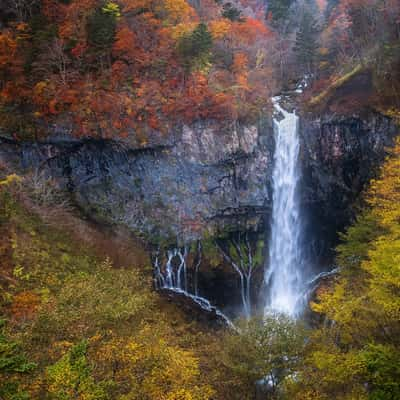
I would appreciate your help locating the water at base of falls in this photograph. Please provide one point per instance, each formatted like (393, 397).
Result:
(284, 276)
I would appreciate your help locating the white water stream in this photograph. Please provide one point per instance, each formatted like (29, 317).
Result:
(175, 279)
(284, 276)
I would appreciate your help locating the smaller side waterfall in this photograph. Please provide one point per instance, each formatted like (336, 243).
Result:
(284, 277)
(174, 276)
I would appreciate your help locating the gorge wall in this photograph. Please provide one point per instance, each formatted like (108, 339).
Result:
(206, 181)
(199, 180)
(339, 155)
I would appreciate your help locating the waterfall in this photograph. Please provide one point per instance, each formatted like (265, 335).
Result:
(173, 276)
(284, 277)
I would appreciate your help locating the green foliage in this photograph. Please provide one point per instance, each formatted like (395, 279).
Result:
(258, 257)
(101, 26)
(97, 300)
(11, 359)
(231, 12)
(383, 371)
(7, 200)
(71, 377)
(357, 356)
(356, 240)
(279, 9)
(131, 351)
(268, 348)
(306, 42)
(13, 363)
(194, 48)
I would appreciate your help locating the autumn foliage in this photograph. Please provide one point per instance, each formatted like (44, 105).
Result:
(121, 69)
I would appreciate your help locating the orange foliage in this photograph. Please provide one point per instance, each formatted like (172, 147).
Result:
(25, 305)
(250, 30)
(74, 19)
(140, 82)
(220, 28)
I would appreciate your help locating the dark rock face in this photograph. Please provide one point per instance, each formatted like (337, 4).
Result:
(204, 180)
(340, 156)
(198, 308)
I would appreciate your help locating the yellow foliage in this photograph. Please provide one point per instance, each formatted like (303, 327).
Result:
(155, 369)
(13, 178)
(178, 11)
(363, 305)
(182, 29)
(220, 28)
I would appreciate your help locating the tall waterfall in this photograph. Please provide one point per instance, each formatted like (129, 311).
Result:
(283, 277)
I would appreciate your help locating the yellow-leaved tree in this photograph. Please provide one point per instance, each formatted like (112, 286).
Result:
(149, 367)
(356, 355)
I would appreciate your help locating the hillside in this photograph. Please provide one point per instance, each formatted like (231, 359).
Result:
(199, 199)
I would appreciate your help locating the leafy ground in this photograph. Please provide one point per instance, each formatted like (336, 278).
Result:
(77, 326)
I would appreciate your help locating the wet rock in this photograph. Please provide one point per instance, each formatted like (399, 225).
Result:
(197, 307)
(339, 156)
(205, 179)
(208, 178)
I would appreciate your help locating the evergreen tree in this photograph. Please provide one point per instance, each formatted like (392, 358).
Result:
(306, 43)
(101, 26)
(194, 48)
(278, 10)
(231, 12)
(13, 364)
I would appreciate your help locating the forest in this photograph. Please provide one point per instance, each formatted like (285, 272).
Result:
(96, 97)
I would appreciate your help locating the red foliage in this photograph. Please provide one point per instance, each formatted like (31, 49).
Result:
(137, 84)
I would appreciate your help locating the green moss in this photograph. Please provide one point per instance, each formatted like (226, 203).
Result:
(327, 93)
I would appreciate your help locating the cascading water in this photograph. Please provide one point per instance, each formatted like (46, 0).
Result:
(284, 277)
(173, 277)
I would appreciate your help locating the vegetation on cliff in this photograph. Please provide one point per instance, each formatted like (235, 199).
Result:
(75, 325)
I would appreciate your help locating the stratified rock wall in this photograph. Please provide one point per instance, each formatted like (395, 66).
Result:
(206, 179)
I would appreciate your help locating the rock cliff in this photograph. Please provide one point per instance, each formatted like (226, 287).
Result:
(205, 179)
(340, 155)
(202, 180)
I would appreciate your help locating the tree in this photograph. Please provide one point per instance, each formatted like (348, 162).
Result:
(267, 351)
(306, 43)
(229, 11)
(357, 354)
(71, 377)
(101, 26)
(98, 300)
(13, 365)
(278, 10)
(22, 9)
(194, 48)
(154, 368)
